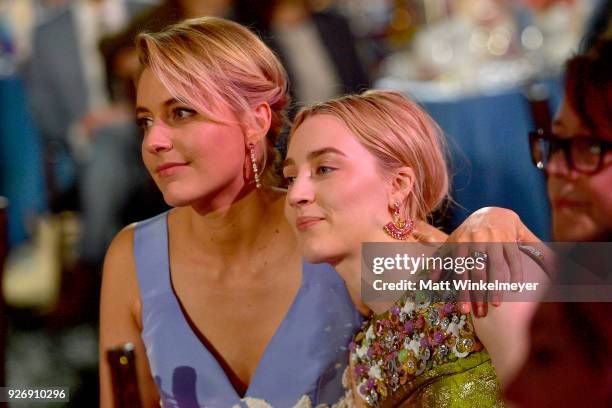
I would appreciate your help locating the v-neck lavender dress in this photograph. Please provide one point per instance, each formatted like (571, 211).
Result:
(305, 357)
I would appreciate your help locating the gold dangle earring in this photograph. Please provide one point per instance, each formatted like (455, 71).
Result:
(399, 228)
(254, 165)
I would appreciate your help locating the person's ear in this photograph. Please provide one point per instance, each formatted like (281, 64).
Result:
(260, 122)
(401, 184)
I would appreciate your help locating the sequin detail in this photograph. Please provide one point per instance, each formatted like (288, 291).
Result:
(421, 331)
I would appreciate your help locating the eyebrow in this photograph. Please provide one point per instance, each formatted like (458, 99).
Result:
(558, 123)
(165, 104)
(313, 155)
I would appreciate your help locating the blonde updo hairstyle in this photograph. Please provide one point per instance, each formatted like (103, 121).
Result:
(398, 133)
(206, 61)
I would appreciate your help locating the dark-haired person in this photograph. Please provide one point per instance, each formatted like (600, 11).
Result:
(570, 361)
(577, 155)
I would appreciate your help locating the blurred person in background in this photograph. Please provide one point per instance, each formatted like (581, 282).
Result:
(317, 47)
(86, 147)
(70, 103)
(577, 155)
(119, 49)
(571, 342)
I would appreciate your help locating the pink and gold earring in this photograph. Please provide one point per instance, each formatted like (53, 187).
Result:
(399, 228)
(254, 165)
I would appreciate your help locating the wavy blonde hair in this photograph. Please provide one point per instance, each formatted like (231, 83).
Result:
(206, 61)
(398, 133)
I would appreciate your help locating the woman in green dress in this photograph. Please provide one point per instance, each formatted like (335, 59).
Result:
(371, 168)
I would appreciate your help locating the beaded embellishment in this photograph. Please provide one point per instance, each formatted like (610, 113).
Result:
(422, 330)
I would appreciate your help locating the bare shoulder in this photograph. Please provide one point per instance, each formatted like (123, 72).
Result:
(120, 320)
(123, 241)
(120, 254)
(119, 281)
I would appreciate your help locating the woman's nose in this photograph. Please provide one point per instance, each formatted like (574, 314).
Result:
(557, 165)
(301, 191)
(158, 139)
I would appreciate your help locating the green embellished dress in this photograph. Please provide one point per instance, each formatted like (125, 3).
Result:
(423, 352)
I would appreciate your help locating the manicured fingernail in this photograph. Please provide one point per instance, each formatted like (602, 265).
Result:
(480, 310)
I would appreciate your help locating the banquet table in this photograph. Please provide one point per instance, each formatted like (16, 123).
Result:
(489, 149)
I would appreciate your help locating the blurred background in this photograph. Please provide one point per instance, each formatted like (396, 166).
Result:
(488, 71)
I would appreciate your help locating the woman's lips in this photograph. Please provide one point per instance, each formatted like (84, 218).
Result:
(304, 223)
(564, 203)
(169, 169)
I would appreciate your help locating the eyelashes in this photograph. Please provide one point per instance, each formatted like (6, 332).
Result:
(143, 124)
(324, 169)
(177, 115)
(181, 113)
(319, 171)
